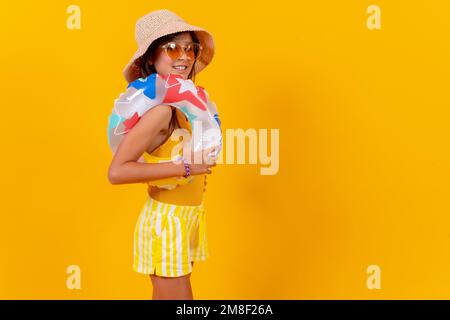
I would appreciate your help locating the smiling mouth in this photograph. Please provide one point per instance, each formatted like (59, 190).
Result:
(181, 68)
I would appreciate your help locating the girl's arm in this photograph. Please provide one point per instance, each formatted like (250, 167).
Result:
(124, 167)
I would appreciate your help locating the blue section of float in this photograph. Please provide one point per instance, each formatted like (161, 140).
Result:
(147, 84)
(114, 120)
(189, 115)
(216, 117)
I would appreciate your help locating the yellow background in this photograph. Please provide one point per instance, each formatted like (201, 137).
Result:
(364, 150)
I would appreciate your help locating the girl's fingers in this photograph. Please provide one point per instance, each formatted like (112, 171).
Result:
(210, 159)
(211, 148)
(211, 164)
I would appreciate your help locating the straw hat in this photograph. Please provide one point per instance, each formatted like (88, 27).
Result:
(160, 23)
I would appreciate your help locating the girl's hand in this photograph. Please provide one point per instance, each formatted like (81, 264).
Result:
(201, 162)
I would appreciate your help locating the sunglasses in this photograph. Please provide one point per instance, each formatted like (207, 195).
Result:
(175, 50)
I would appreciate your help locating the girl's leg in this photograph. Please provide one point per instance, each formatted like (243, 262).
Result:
(172, 288)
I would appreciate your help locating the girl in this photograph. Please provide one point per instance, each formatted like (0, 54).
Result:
(170, 232)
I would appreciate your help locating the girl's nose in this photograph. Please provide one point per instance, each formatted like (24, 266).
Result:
(184, 55)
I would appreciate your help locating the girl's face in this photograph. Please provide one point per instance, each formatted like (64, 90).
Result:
(165, 65)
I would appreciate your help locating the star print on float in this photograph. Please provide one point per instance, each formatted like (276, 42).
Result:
(180, 89)
(147, 85)
(144, 94)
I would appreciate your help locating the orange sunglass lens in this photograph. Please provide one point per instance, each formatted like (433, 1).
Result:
(175, 51)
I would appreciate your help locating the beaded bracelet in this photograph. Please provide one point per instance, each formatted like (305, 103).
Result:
(187, 168)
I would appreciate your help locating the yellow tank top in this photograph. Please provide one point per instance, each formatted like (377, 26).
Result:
(188, 194)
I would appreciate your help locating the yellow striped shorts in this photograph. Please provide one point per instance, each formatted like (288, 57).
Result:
(168, 237)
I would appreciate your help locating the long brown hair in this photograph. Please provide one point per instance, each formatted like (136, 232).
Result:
(145, 69)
